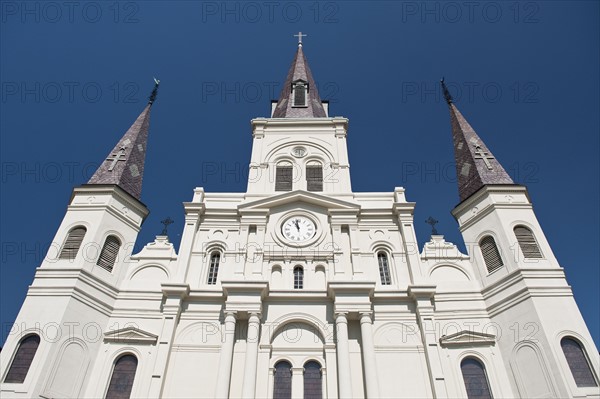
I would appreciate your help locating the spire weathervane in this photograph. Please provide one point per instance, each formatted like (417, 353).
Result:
(154, 92)
(168, 221)
(300, 36)
(447, 94)
(431, 221)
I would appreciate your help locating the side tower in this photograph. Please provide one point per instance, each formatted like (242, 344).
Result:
(75, 288)
(544, 340)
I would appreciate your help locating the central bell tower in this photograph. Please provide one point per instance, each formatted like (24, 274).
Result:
(300, 147)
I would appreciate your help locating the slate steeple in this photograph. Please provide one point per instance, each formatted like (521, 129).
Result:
(124, 165)
(299, 96)
(475, 164)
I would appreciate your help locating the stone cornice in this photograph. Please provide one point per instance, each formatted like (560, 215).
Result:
(114, 190)
(299, 122)
(483, 192)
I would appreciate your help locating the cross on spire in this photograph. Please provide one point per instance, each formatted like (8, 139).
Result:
(447, 94)
(119, 156)
(432, 222)
(480, 154)
(300, 36)
(168, 221)
(154, 93)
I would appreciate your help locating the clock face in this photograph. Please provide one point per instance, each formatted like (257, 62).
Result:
(298, 229)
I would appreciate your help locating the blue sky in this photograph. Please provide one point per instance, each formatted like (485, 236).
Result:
(75, 76)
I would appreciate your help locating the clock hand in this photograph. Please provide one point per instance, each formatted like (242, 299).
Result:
(296, 223)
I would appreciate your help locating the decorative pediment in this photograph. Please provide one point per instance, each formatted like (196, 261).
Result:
(161, 248)
(440, 249)
(130, 335)
(468, 338)
(299, 196)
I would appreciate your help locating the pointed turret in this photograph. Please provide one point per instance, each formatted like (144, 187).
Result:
(299, 96)
(475, 165)
(124, 165)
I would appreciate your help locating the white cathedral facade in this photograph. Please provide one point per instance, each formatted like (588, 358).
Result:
(300, 287)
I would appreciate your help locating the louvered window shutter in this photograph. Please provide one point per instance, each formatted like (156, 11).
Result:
(300, 95)
(491, 256)
(109, 253)
(314, 178)
(72, 244)
(283, 178)
(527, 242)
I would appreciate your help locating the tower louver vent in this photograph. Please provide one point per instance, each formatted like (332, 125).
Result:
(300, 95)
(72, 244)
(491, 256)
(527, 242)
(109, 253)
(283, 178)
(314, 178)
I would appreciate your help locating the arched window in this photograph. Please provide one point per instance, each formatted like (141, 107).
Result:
(298, 277)
(578, 363)
(109, 253)
(72, 243)
(527, 242)
(121, 381)
(313, 388)
(490, 253)
(314, 176)
(384, 268)
(22, 360)
(284, 176)
(475, 378)
(282, 389)
(300, 89)
(213, 270)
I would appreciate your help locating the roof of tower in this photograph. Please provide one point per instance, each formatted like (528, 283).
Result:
(299, 70)
(124, 165)
(475, 164)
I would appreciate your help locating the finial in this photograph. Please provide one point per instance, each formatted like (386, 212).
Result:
(431, 221)
(447, 94)
(168, 221)
(299, 36)
(154, 92)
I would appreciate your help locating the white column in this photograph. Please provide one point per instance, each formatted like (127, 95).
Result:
(368, 353)
(297, 382)
(224, 375)
(343, 356)
(249, 385)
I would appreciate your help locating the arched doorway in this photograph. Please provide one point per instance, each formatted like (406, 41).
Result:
(298, 359)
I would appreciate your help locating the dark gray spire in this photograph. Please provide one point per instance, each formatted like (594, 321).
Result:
(475, 164)
(298, 75)
(124, 165)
